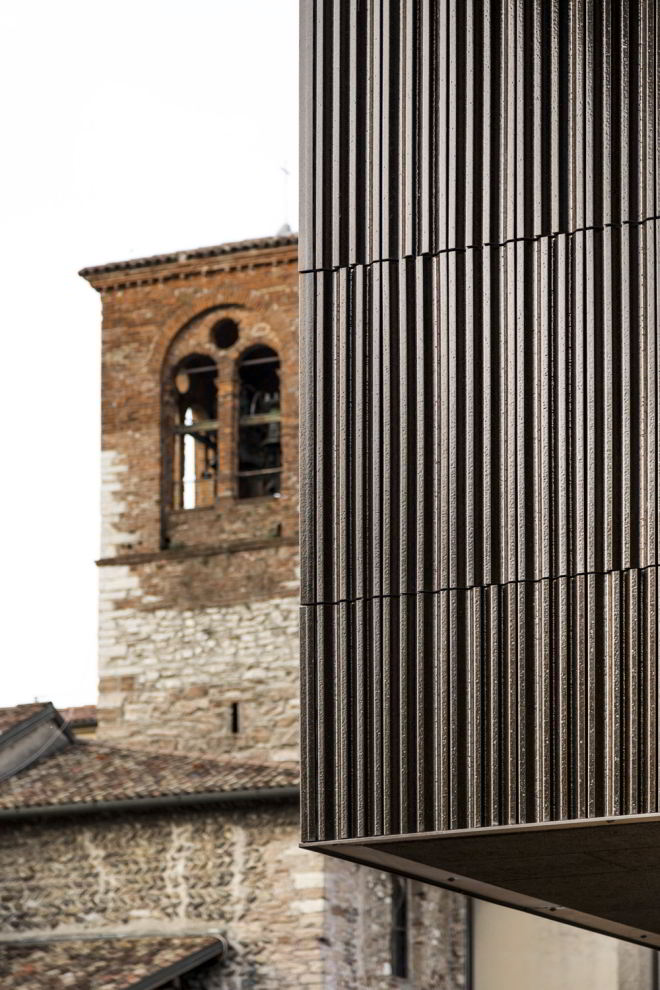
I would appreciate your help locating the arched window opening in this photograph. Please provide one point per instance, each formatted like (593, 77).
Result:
(259, 440)
(196, 433)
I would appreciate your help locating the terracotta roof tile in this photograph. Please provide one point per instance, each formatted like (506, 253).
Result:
(91, 771)
(9, 717)
(96, 964)
(255, 243)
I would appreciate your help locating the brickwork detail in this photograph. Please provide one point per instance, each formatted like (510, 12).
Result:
(147, 329)
(199, 610)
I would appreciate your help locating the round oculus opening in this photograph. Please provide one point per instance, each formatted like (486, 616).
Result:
(224, 333)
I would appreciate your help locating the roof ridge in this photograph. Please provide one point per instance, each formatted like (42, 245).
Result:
(172, 257)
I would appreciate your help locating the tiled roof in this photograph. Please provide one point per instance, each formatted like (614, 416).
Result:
(254, 244)
(81, 714)
(9, 717)
(89, 772)
(100, 964)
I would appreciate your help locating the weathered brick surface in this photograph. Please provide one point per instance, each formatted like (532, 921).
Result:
(147, 329)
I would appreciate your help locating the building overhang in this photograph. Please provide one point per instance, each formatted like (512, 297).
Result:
(480, 580)
(601, 874)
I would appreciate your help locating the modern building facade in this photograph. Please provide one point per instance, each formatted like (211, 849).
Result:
(479, 451)
(165, 848)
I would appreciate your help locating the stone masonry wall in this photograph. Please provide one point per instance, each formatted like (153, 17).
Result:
(239, 874)
(292, 918)
(169, 676)
(357, 949)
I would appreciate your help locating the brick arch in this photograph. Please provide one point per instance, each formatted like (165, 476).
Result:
(180, 321)
(262, 334)
(253, 331)
(209, 308)
(171, 359)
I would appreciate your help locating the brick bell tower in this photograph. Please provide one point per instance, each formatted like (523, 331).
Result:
(198, 631)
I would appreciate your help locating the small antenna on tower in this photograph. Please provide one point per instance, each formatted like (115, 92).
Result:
(285, 228)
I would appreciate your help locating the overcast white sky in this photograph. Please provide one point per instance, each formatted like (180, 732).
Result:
(127, 128)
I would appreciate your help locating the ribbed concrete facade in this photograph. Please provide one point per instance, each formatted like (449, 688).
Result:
(436, 125)
(479, 428)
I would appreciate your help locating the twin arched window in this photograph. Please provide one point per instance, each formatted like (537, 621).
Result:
(222, 450)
